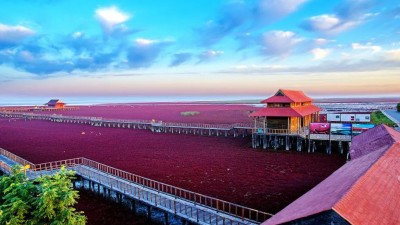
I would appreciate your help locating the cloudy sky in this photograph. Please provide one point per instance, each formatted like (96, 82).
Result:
(54, 48)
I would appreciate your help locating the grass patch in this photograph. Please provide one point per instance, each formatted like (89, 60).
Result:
(378, 117)
(190, 113)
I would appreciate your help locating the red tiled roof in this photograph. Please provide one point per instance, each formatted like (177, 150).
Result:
(373, 139)
(375, 198)
(365, 190)
(296, 111)
(289, 97)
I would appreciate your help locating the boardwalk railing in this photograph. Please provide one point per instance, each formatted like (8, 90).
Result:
(197, 125)
(220, 206)
(260, 130)
(16, 158)
(225, 127)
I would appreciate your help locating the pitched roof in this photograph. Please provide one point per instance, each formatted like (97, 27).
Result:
(374, 199)
(54, 102)
(287, 96)
(381, 136)
(364, 190)
(296, 111)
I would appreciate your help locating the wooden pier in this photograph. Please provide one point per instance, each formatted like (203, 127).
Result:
(190, 206)
(40, 108)
(234, 130)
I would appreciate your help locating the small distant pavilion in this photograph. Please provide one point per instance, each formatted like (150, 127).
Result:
(55, 103)
(284, 120)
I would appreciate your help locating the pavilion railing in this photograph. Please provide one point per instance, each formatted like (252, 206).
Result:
(261, 130)
(206, 201)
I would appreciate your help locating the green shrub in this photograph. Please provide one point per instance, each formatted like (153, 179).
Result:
(378, 117)
(190, 113)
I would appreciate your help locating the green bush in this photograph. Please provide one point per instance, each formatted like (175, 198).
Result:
(190, 113)
(378, 117)
(45, 200)
(398, 107)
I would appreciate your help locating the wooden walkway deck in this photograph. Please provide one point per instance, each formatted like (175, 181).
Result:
(242, 129)
(189, 205)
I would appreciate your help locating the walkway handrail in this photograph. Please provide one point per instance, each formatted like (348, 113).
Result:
(210, 202)
(16, 158)
(197, 125)
(215, 203)
(107, 120)
(5, 166)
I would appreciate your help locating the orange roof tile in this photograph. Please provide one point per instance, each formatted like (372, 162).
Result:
(291, 112)
(289, 96)
(375, 198)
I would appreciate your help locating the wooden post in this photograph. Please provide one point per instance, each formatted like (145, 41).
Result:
(149, 208)
(166, 218)
(328, 147)
(264, 141)
(348, 152)
(133, 204)
(287, 143)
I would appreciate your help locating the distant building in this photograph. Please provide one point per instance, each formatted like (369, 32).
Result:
(365, 190)
(288, 111)
(55, 103)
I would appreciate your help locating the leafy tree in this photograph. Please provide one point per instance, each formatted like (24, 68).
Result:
(398, 107)
(45, 200)
(16, 203)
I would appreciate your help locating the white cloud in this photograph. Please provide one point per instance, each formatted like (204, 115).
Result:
(329, 24)
(321, 41)
(324, 22)
(143, 41)
(111, 17)
(279, 43)
(393, 55)
(368, 46)
(320, 53)
(212, 53)
(14, 34)
(269, 10)
(209, 55)
(77, 35)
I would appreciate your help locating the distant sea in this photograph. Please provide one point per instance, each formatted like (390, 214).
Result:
(30, 101)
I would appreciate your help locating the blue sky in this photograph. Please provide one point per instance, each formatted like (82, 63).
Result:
(199, 48)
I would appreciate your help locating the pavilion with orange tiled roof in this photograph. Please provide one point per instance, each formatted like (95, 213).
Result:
(288, 113)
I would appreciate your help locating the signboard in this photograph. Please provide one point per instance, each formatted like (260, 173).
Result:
(340, 129)
(319, 128)
(333, 117)
(360, 128)
(363, 118)
(348, 117)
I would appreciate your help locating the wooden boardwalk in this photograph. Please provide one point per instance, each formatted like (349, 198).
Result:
(235, 130)
(189, 205)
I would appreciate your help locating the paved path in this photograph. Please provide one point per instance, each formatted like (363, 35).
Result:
(393, 115)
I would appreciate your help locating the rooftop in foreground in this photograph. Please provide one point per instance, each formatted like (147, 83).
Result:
(366, 190)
